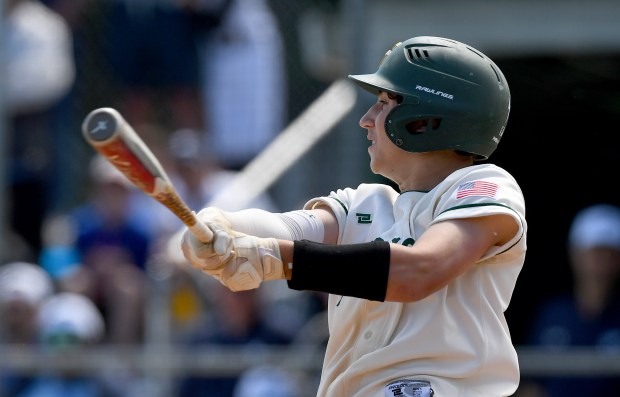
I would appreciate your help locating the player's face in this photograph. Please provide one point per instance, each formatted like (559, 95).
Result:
(383, 153)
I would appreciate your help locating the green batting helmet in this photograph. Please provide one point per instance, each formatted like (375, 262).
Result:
(454, 96)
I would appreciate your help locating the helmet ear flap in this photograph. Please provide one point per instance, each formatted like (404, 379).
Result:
(420, 126)
(404, 131)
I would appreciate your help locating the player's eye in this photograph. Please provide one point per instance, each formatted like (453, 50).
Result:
(378, 106)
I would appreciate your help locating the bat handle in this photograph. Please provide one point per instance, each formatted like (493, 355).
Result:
(201, 231)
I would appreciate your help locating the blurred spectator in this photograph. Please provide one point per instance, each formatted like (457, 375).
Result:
(66, 318)
(234, 319)
(66, 322)
(39, 71)
(59, 255)
(113, 247)
(151, 48)
(243, 64)
(23, 287)
(35, 35)
(590, 315)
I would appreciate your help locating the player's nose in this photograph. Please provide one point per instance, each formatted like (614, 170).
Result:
(367, 120)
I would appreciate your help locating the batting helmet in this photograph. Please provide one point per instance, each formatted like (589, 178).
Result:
(453, 96)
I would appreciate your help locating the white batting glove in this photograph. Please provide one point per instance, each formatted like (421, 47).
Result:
(208, 257)
(238, 261)
(252, 261)
(212, 215)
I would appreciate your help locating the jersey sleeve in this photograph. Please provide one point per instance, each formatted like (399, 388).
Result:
(338, 201)
(483, 192)
(345, 203)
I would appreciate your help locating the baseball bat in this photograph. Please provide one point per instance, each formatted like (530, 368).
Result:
(114, 138)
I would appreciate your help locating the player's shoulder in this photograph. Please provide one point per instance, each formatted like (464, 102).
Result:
(349, 197)
(490, 174)
(484, 171)
(483, 187)
(364, 189)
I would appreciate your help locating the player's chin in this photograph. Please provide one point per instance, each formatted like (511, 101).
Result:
(374, 166)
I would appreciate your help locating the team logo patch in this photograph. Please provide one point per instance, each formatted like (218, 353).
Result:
(476, 188)
(363, 218)
(409, 388)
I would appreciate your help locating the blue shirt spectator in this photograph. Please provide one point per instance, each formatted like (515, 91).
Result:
(589, 316)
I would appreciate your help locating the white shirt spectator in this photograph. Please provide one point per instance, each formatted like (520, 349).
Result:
(39, 64)
(244, 83)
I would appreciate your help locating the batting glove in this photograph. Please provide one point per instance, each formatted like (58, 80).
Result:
(214, 215)
(208, 257)
(245, 262)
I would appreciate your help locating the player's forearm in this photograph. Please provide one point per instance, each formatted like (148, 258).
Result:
(293, 225)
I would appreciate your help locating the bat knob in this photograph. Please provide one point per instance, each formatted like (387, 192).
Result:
(101, 124)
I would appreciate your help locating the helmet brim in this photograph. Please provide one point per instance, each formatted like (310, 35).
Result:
(373, 83)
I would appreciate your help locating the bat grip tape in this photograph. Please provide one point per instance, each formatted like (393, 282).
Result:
(357, 270)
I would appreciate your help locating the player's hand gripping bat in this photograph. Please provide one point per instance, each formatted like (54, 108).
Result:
(110, 135)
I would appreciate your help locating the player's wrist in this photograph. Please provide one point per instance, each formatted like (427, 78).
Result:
(286, 255)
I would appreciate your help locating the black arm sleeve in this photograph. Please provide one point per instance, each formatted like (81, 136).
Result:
(358, 270)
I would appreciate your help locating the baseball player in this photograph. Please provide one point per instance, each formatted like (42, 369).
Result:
(420, 277)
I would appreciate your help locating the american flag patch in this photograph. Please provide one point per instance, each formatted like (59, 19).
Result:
(476, 188)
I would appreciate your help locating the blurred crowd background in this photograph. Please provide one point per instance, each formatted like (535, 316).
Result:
(93, 302)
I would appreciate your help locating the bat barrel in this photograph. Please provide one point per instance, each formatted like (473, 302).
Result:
(101, 124)
(110, 135)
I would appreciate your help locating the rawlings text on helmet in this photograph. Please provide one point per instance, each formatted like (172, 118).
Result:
(434, 92)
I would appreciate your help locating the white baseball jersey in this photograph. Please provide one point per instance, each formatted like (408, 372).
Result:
(456, 341)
